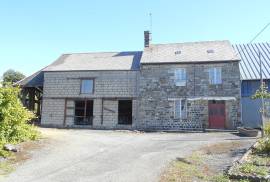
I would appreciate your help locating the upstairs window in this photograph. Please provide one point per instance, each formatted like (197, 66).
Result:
(180, 77)
(87, 86)
(180, 109)
(215, 76)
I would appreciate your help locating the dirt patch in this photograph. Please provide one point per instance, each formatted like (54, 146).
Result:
(52, 132)
(206, 164)
(221, 148)
(24, 153)
(26, 149)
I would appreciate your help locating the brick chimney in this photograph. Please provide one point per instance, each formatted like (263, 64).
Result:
(147, 38)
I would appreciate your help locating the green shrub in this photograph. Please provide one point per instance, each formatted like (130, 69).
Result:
(249, 168)
(263, 146)
(14, 118)
(219, 178)
(267, 129)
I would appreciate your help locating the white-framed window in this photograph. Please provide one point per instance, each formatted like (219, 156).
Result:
(180, 77)
(180, 109)
(87, 86)
(215, 76)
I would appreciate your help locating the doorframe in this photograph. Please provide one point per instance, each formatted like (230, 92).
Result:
(225, 118)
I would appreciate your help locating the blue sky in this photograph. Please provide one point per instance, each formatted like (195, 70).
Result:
(34, 33)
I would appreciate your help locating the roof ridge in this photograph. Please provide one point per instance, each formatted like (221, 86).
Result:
(103, 52)
(195, 42)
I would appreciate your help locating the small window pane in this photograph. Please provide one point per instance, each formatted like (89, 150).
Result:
(215, 76)
(180, 109)
(183, 109)
(218, 75)
(177, 105)
(87, 86)
(180, 77)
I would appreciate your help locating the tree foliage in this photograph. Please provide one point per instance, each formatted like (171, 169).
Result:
(14, 118)
(11, 76)
(262, 92)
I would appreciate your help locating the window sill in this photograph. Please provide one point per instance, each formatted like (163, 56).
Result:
(215, 85)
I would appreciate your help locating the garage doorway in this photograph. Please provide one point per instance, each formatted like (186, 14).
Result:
(83, 112)
(125, 112)
(216, 110)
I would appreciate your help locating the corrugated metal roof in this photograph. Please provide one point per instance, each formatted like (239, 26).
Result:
(207, 51)
(250, 62)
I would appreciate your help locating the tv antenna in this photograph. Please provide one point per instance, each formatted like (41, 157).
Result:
(150, 22)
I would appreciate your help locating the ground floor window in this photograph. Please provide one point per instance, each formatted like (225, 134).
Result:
(125, 112)
(83, 112)
(180, 109)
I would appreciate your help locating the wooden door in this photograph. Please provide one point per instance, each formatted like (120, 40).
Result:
(216, 110)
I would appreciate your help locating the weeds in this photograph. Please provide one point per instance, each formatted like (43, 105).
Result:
(192, 168)
(249, 168)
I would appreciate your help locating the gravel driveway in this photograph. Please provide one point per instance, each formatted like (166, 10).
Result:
(94, 155)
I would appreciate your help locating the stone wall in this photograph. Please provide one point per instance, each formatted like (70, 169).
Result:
(109, 86)
(157, 89)
(52, 112)
(152, 91)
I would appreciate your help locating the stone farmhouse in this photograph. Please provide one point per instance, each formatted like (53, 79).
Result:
(175, 86)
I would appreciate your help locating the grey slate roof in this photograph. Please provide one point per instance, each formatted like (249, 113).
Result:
(97, 61)
(86, 61)
(250, 64)
(208, 51)
(34, 80)
(163, 53)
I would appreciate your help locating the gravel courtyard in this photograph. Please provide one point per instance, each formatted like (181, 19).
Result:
(95, 155)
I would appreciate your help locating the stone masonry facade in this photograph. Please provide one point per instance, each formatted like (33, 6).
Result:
(157, 91)
(152, 91)
(109, 87)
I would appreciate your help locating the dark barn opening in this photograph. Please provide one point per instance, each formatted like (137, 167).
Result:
(83, 112)
(125, 112)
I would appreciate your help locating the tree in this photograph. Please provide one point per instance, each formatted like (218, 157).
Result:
(262, 92)
(14, 118)
(11, 76)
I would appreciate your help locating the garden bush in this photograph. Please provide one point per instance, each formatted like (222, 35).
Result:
(264, 143)
(263, 146)
(14, 118)
(267, 129)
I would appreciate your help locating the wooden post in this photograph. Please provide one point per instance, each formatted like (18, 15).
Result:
(32, 99)
(65, 113)
(102, 103)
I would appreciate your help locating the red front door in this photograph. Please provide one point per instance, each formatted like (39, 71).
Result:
(216, 110)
